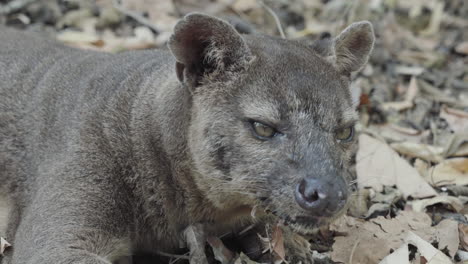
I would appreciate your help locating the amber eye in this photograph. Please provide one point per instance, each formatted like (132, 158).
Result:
(345, 134)
(263, 130)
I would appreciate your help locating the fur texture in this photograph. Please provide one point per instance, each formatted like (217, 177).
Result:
(104, 155)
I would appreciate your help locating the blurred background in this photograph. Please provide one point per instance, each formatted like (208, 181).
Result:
(413, 157)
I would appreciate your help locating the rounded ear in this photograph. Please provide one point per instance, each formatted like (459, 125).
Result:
(207, 48)
(351, 49)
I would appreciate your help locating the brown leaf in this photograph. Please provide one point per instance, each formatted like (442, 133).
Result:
(462, 150)
(221, 253)
(420, 205)
(378, 165)
(78, 37)
(457, 119)
(462, 47)
(400, 256)
(418, 150)
(244, 5)
(436, 19)
(243, 259)
(430, 253)
(277, 242)
(450, 171)
(407, 103)
(195, 238)
(463, 233)
(373, 240)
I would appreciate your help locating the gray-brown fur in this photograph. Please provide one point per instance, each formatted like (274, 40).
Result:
(107, 154)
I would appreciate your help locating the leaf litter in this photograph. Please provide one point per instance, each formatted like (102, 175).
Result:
(3, 245)
(411, 166)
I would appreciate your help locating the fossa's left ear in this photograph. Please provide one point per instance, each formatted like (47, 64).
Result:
(352, 47)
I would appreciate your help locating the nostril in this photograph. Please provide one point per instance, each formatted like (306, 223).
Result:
(312, 195)
(312, 198)
(309, 192)
(302, 187)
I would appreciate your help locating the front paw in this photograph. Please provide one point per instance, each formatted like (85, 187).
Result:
(297, 249)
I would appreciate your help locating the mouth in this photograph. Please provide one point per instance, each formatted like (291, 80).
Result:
(298, 221)
(307, 225)
(301, 224)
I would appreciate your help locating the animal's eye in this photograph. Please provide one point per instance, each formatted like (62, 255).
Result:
(345, 134)
(263, 130)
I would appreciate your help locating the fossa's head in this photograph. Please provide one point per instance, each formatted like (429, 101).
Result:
(272, 119)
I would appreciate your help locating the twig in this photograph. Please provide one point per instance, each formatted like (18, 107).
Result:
(353, 250)
(172, 255)
(273, 14)
(14, 6)
(135, 15)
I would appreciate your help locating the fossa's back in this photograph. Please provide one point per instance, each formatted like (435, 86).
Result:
(47, 90)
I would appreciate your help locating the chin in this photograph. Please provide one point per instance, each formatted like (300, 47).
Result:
(307, 224)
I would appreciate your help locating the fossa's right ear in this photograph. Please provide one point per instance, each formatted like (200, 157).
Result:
(207, 49)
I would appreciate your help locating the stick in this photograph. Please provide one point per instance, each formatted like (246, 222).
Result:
(273, 14)
(14, 6)
(135, 15)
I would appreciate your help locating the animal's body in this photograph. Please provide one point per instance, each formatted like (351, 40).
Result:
(102, 155)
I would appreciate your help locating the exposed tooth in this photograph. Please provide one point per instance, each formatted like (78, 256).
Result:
(253, 212)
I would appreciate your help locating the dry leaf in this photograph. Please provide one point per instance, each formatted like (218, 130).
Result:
(78, 37)
(221, 253)
(436, 18)
(450, 171)
(143, 39)
(463, 256)
(377, 207)
(411, 92)
(461, 151)
(243, 259)
(453, 143)
(420, 205)
(405, 130)
(244, 5)
(394, 133)
(3, 245)
(160, 13)
(448, 236)
(418, 150)
(195, 238)
(457, 119)
(378, 165)
(358, 203)
(463, 233)
(430, 253)
(371, 241)
(400, 256)
(409, 70)
(462, 48)
(277, 242)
